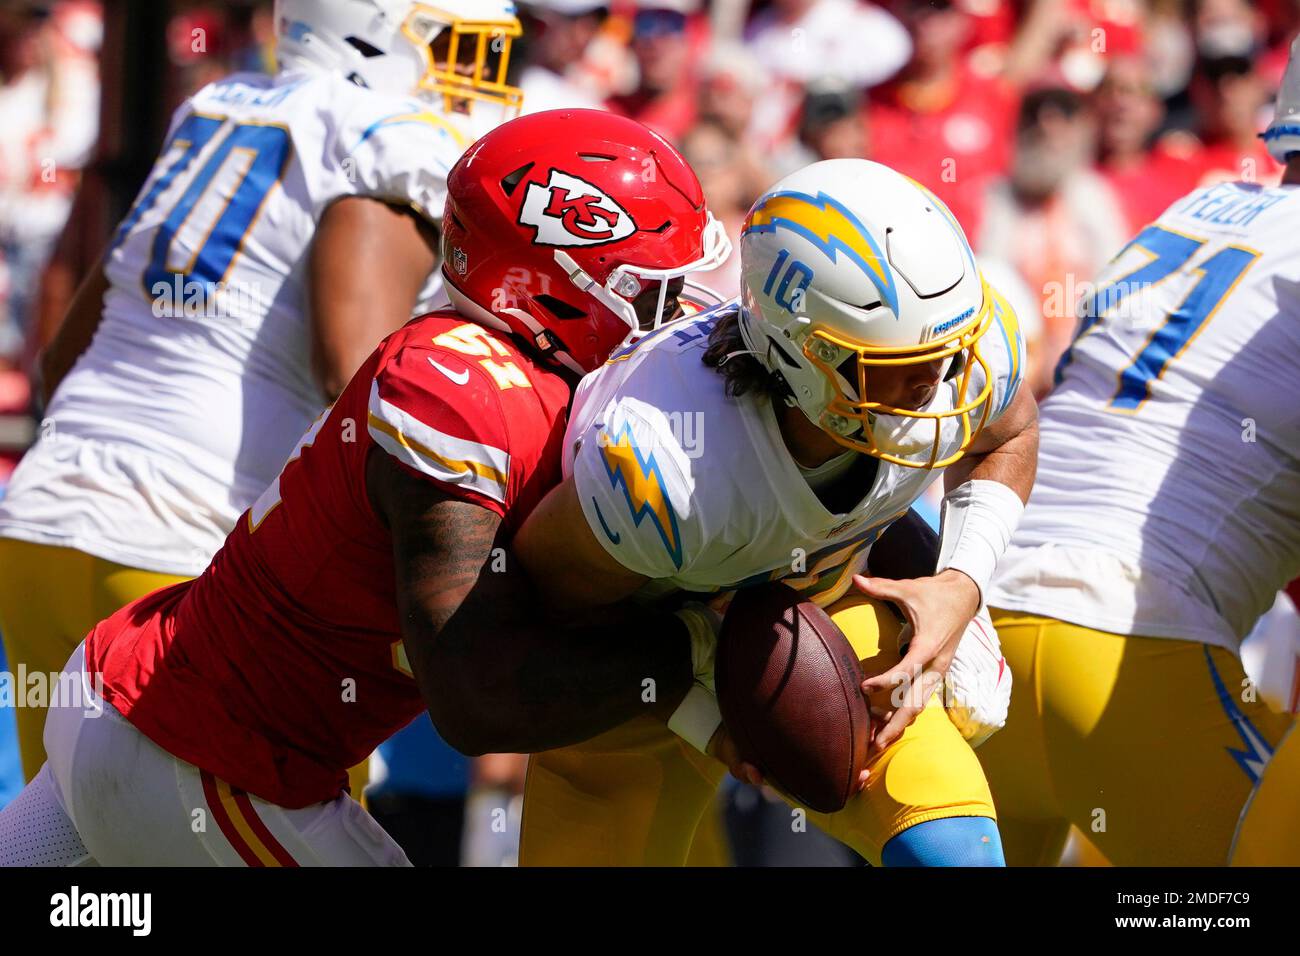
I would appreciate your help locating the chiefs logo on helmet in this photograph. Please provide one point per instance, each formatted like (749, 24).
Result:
(569, 211)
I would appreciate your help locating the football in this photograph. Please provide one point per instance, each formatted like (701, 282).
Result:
(789, 688)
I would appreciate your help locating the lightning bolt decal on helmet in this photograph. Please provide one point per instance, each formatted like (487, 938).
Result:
(850, 267)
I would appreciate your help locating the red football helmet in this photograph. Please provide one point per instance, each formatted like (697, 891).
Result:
(558, 226)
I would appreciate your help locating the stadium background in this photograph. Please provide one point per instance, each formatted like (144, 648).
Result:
(1053, 128)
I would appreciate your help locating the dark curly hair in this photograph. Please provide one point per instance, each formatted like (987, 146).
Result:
(741, 373)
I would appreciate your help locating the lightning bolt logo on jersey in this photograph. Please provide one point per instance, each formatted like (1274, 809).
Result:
(642, 483)
(722, 503)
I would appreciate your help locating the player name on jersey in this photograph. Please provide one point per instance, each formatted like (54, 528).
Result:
(1174, 421)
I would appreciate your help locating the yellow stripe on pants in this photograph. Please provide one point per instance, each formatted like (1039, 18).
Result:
(1148, 745)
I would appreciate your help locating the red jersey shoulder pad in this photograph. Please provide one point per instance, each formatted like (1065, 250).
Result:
(436, 407)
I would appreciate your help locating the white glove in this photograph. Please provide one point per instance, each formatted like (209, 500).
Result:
(979, 682)
(697, 718)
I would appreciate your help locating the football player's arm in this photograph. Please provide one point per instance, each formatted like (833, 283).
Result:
(1005, 452)
(987, 489)
(496, 676)
(980, 681)
(75, 332)
(564, 558)
(366, 267)
(569, 565)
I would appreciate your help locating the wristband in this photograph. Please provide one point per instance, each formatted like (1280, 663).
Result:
(977, 519)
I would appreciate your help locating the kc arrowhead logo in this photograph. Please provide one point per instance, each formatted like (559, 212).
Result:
(569, 211)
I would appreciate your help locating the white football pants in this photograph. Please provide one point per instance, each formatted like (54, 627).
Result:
(109, 795)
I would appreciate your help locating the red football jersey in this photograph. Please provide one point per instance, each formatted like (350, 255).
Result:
(283, 664)
(954, 143)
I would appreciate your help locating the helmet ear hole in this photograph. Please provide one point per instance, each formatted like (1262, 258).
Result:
(512, 180)
(368, 50)
(558, 307)
(775, 346)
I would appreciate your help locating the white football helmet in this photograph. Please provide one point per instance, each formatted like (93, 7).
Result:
(848, 266)
(459, 49)
(1283, 135)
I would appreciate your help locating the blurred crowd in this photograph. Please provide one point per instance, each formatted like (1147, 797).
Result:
(1054, 130)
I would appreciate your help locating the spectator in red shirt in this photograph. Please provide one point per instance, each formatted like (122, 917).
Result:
(941, 122)
(800, 42)
(665, 95)
(1231, 99)
(1146, 177)
(1053, 219)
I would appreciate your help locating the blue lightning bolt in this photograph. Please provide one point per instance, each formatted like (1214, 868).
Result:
(643, 486)
(1257, 751)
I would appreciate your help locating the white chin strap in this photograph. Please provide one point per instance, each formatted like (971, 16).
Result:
(543, 343)
(628, 281)
(471, 309)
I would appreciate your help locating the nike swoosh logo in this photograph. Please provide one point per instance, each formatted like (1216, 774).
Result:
(459, 378)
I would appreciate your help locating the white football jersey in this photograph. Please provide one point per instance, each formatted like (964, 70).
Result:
(198, 384)
(1167, 502)
(696, 489)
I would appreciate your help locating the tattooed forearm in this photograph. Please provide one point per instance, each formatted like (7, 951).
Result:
(496, 673)
(441, 555)
(542, 684)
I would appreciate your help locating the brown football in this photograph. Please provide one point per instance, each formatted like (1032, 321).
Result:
(789, 688)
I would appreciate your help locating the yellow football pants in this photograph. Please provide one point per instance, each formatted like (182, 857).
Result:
(50, 599)
(1269, 832)
(1150, 746)
(635, 795)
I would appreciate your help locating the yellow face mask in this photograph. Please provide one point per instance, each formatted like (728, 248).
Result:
(821, 349)
(465, 60)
